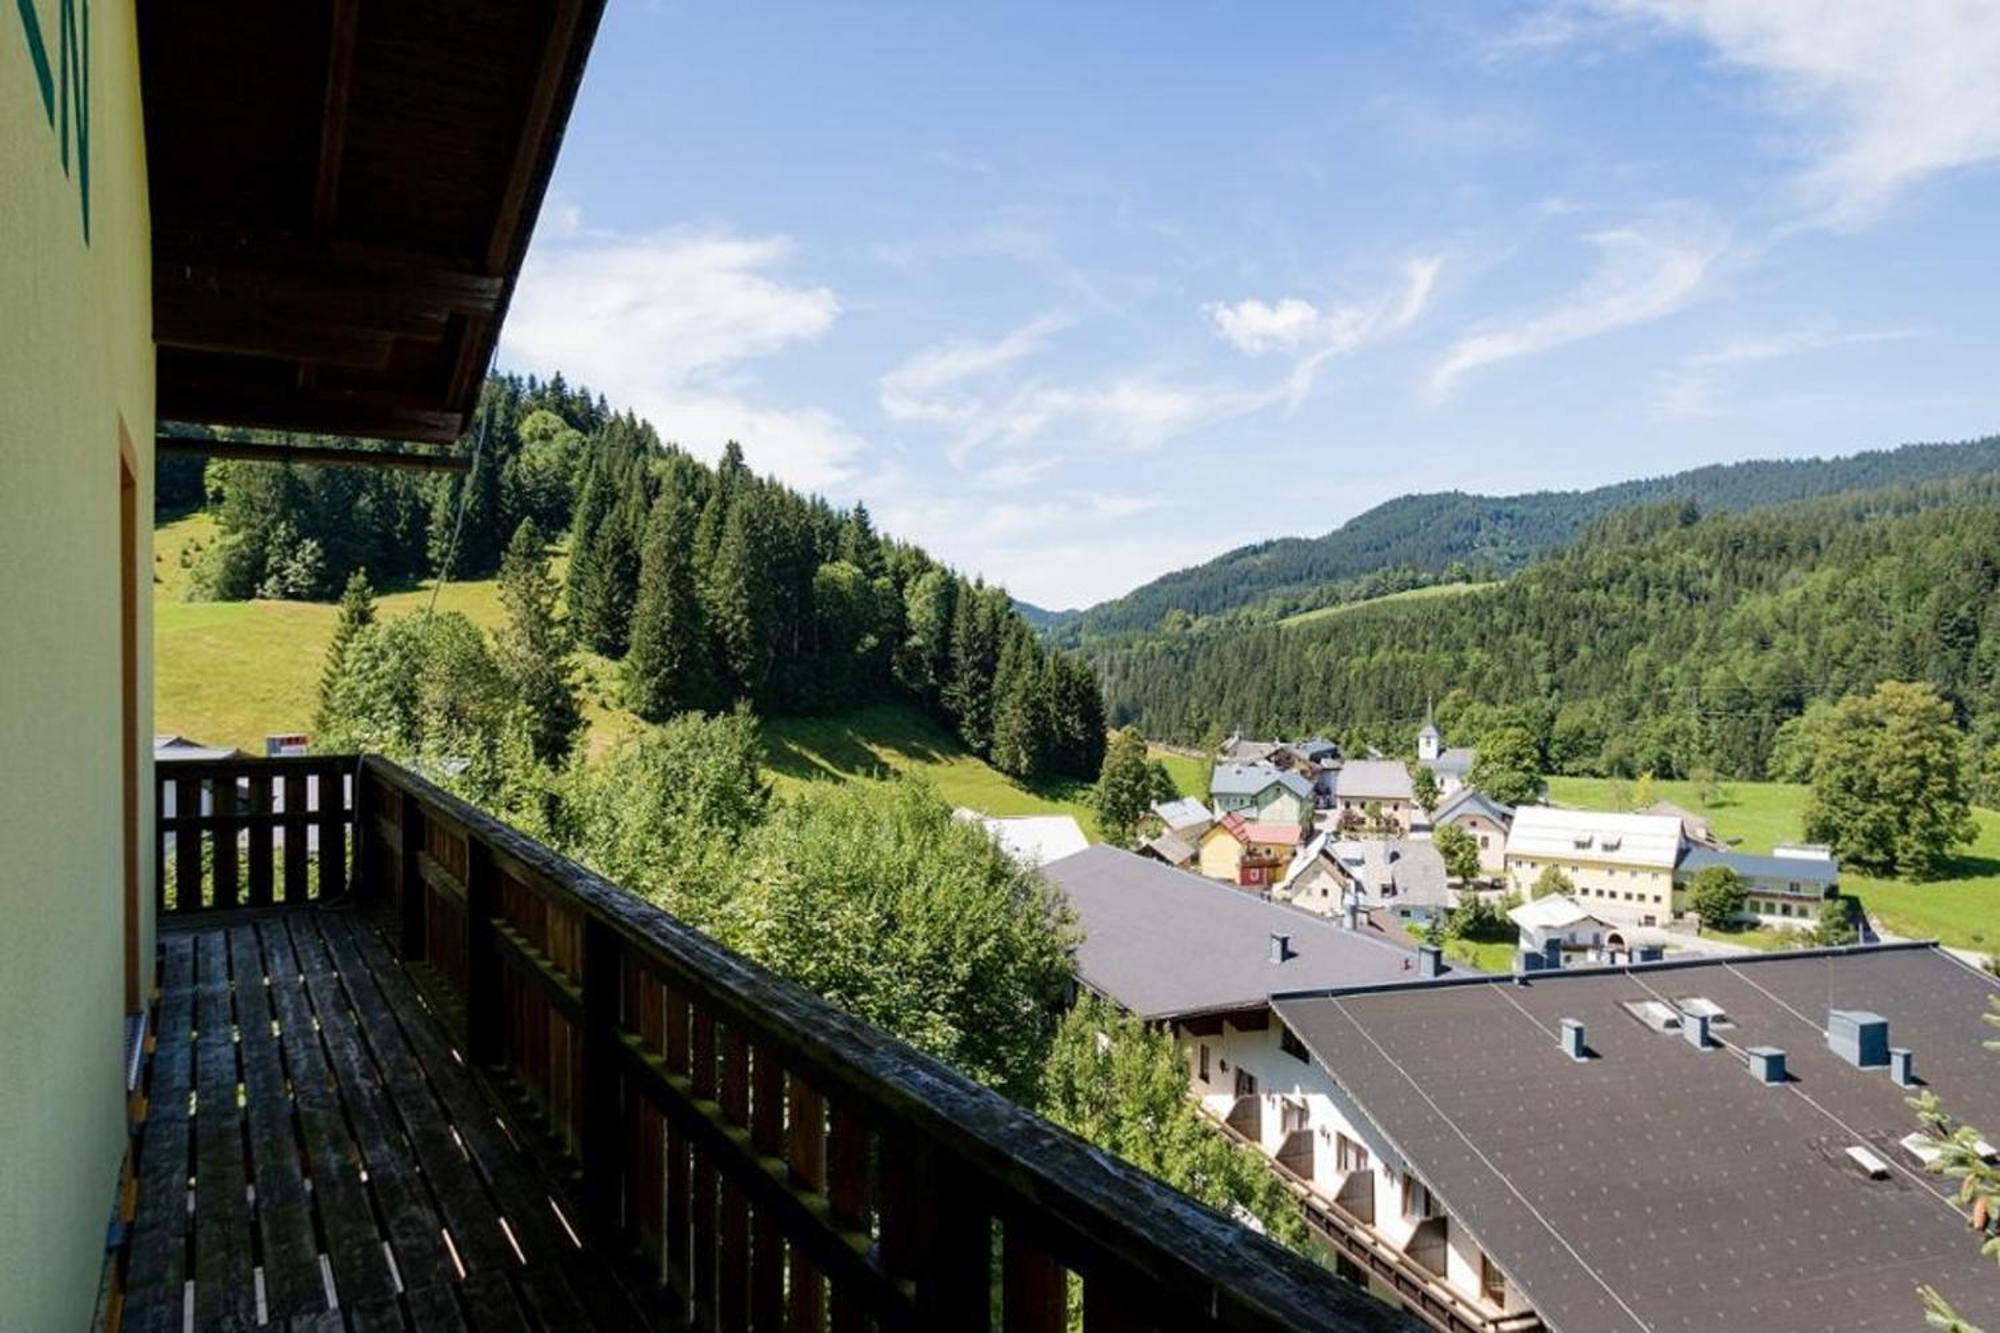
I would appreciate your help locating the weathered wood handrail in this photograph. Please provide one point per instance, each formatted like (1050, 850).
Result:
(755, 1155)
(250, 832)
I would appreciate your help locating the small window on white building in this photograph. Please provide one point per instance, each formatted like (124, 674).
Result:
(1289, 1043)
(1492, 1282)
(1348, 1155)
(1417, 1201)
(1204, 1062)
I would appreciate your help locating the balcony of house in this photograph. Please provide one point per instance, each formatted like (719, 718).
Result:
(409, 1069)
(1342, 1213)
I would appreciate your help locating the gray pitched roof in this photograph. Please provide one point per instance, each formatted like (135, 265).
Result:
(1183, 813)
(1171, 848)
(1373, 779)
(1414, 869)
(1471, 800)
(1250, 779)
(1164, 943)
(1819, 871)
(1456, 762)
(1657, 1186)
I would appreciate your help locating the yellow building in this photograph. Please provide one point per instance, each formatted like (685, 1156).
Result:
(1248, 854)
(187, 247)
(1620, 867)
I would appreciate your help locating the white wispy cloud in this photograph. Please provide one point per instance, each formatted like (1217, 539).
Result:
(1689, 389)
(1645, 270)
(1314, 335)
(667, 325)
(1886, 95)
(911, 391)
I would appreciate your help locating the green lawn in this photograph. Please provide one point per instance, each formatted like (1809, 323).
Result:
(1962, 909)
(1486, 956)
(231, 673)
(1407, 595)
(1189, 772)
(880, 742)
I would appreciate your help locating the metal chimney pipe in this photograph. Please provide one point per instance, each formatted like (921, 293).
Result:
(1430, 960)
(1281, 947)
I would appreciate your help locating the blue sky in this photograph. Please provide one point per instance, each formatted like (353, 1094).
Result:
(1078, 294)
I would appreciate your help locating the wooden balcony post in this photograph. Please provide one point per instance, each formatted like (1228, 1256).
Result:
(411, 937)
(600, 1140)
(485, 1008)
(935, 1234)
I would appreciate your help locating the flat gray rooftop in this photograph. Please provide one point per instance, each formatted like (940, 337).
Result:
(1164, 943)
(1659, 1187)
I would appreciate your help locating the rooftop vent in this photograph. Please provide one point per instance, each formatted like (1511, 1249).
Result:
(1921, 1147)
(1706, 1008)
(1695, 1028)
(1572, 1040)
(1858, 1037)
(1902, 1066)
(1767, 1064)
(1612, 842)
(1654, 1014)
(1868, 1163)
(1430, 960)
(1281, 946)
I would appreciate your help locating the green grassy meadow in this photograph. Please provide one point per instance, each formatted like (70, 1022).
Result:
(1962, 909)
(1408, 595)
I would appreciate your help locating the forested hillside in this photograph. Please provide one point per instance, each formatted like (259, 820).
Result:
(710, 585)
(1662, 641)
(1420, 538)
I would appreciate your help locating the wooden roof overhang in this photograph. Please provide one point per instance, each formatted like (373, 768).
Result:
(342, 194)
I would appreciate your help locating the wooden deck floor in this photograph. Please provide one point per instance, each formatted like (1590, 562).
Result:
(316, 1156)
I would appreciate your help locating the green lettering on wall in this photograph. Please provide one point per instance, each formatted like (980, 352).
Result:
(73, 66)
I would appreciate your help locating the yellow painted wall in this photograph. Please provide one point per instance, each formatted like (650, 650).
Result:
(76, 355)
(1601, 888)
(1220, 855)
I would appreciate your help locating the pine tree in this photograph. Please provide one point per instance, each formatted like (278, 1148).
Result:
(357, 612)
(737, 596)
(535, 648)
(666, 671)
(1020, 730)
(591, 504)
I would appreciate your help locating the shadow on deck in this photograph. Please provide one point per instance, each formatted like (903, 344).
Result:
(316, 1155)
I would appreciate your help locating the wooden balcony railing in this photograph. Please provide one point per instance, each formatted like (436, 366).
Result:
(756, 1157)
(250, 832)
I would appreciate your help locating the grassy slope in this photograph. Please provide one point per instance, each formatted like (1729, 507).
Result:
(1963, 909)
(233, 672)
(1407, 595)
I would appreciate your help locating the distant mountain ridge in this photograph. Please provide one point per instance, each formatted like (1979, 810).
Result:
(1498, 534)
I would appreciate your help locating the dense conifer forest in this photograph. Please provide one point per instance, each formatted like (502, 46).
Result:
(1663, 641)
(711, 585)
(1418, 539)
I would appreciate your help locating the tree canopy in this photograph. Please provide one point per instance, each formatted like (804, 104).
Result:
(1889, 786)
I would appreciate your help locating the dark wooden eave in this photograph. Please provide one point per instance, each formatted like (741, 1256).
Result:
(342, 194)
(338, 455)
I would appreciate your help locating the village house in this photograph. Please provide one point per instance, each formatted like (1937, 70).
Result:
(1635, 869)
(1789, 887)
(1485, 819)
(1031, 840)
(1184, 817)
(1557, 921)
(1468, 1146)
(1619, 866)
(1375, 794)
(1262, 792)
(1402, 878)
(1251, 855)
(1451, 766)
